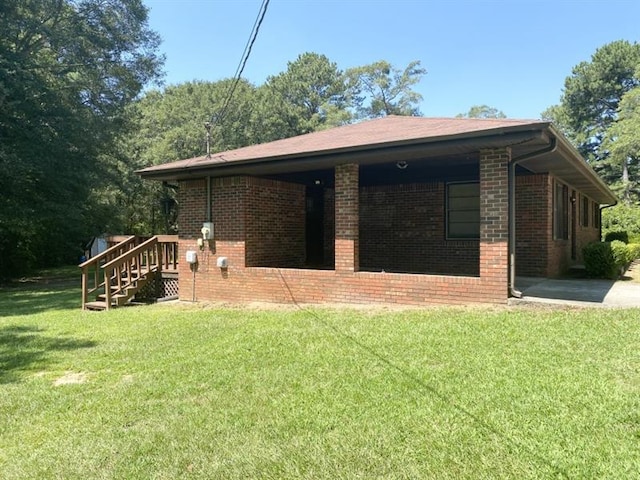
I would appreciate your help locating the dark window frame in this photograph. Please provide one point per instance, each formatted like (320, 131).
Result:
(586, 203)
(461, 214)
(560, 211)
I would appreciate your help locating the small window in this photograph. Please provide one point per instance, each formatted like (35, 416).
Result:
(585, 211)
(561, 212)
(596, 215)
(463, 210)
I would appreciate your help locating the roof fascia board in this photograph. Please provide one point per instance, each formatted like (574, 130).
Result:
(580, 164)
(301, 162)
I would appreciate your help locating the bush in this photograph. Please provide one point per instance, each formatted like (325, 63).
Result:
(620, 235)
(621, 254)
(622, 218)
(599, 261)
(634, 250)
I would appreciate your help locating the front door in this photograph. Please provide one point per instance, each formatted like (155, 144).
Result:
(314, 226)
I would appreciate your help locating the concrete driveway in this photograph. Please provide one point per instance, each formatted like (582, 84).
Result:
(581, 292)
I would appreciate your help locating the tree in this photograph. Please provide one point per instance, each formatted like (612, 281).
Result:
(622, 144)
(592, 93)
(482, 111)
(67, 71)
(379, 89)
(310, 95)
(598, 112)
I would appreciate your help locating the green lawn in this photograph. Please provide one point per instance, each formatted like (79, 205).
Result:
(182, 391)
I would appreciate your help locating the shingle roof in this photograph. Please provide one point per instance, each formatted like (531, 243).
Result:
(388, 130)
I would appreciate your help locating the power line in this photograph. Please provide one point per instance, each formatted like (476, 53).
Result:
(219, 118)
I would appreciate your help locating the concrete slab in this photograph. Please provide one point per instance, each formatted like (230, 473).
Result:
(579, 292)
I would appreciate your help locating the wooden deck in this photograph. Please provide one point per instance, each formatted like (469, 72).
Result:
(132, 269)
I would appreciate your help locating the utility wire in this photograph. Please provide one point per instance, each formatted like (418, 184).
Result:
(219, 118)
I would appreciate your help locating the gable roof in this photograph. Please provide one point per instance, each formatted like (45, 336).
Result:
(394, 138)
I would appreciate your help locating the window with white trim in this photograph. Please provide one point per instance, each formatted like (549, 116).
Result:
(463, 211)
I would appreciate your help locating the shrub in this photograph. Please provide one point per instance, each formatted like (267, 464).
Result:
(599, 260)
(622, 218)
(621, 254)
(634, 250)
(620, 235)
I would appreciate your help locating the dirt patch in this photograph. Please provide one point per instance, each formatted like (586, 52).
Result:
(70, 378)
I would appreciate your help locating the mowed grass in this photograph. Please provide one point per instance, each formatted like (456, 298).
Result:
(182, 391)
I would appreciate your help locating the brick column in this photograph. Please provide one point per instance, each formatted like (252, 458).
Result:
(494, 221)
(347, 217)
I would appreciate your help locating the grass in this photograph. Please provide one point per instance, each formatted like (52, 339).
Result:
(181, 391)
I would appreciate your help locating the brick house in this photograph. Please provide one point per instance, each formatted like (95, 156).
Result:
(397, 210)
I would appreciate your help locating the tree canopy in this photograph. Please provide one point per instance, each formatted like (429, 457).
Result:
(482, 111)
(67, 71)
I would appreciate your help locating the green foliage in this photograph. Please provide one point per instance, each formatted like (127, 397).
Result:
(310, 95)
(622, 218)
(622, 255)
(190, 392)
(634, 251)
(482, 111)
(599, 260)
(600, 115)
(67, 71)
(622, 236)
(608, 259)
(379, 89)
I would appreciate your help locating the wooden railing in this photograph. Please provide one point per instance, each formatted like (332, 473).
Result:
(124, 263)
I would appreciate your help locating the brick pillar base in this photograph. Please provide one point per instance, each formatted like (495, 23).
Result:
(347, 217)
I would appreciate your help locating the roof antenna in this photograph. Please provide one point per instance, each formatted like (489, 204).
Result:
(207, 126)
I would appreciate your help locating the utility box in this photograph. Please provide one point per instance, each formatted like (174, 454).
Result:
(207, 231)
(192, 256)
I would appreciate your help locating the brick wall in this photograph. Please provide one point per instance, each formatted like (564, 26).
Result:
(494, 212)
(275, 224)
(233, 203)
(534, 223)
(346, 217)
(402, 229)
(538, 254)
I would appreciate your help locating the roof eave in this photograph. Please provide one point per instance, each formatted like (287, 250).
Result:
(509, 135)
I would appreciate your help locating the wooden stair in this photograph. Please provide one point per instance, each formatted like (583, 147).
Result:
(127, 273)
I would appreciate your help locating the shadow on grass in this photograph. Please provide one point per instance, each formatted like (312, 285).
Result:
(35, 297)
(27, 348)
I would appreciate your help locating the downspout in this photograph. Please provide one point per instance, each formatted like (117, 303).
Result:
(600, 221)
(209, 199)
(512, 210)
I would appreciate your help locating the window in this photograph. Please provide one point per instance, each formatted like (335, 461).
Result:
(463, 210)
(596, 215)
(585, 211)
(561, 212)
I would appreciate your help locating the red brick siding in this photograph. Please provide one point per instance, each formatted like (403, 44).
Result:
(494, 212)
(346, 215)
(538, 254)
(192, 198)
(534, 224)
(275, 223)
(237, 283)
(402, 229)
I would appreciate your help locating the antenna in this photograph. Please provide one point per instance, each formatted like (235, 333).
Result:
(207, 126)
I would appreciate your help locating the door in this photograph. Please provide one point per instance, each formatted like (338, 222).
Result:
(314, 226)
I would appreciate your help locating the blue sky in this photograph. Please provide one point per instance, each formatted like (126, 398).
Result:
(510, 54)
